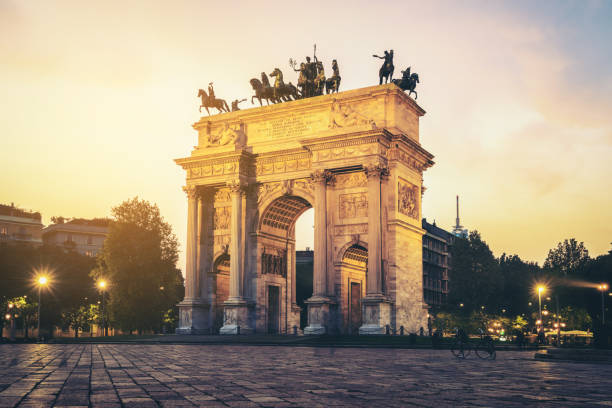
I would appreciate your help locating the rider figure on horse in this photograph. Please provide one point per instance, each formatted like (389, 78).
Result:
(387, 67)
(211, 91)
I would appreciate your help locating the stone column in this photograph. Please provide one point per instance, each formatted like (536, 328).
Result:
(191, 253)
(318, 304)
(376, 308)
(235, 307)
(192, 310)
(236, 255)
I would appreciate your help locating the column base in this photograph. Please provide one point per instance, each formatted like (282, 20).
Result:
(236, 318)
(376, 315)
(319, 316)
(194, 317)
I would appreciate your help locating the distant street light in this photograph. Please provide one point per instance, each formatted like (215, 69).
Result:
(602, 288)
(541, 289)
(12, 315)
(102, 286)
(41, 281)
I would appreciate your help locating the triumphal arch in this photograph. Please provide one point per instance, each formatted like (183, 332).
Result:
(355, 158)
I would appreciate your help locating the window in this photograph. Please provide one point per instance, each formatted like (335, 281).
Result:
(3, 231)
(89, 241)
(69, 239)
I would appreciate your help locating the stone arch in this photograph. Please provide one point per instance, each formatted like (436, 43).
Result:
(276, 256)
(220, 282)
(264, 202)
(281, 213)
(355, 240)
(351, 273)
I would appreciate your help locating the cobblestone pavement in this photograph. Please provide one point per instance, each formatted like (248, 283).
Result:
(132, 375)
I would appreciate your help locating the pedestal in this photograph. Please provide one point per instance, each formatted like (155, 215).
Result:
(376, 315)
(319, 315)
(194, 317)
(235, 318)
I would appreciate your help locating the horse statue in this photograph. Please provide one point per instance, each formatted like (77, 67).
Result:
(262, 92)
(408, 82)
(333, 84)
(386, 71)
(208, 102)
(283, 92)
(319, 81)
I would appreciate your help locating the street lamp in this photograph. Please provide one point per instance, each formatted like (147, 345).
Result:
(102, 286)
(41, 281)
(602, 288)
(12, 315)
(541, 289)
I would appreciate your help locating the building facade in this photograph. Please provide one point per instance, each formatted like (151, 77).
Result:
(356, 158)
(437, 245)
(84, 236)
(17, 225)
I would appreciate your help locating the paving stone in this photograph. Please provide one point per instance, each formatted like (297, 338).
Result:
(124, 375)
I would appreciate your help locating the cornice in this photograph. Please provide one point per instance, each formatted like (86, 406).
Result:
(348, 139)
(222, 158)
(312, 104)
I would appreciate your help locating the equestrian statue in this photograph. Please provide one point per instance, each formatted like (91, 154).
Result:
(386, 71)
(408, 82)
(210, 101)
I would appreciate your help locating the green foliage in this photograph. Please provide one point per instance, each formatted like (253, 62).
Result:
(70, 284)
(80, 318)
(475, 279)
(138, 259)
(576, 318)
(568, 258)
(519, 322)
(518, 279)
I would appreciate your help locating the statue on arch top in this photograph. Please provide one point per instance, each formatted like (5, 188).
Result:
(408, 82)
(386, 71)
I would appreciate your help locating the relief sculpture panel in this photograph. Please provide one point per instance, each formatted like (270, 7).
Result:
(408, 199)
(353, 205)
(351, 180)
(222, 217)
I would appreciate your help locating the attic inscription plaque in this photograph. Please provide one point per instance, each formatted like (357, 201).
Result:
(292, 126)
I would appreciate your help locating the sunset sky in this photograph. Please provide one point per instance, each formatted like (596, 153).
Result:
(98, 98)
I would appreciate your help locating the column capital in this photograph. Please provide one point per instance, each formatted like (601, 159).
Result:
(376, 171)
(236, 186)
(191, 191)
(322, 176)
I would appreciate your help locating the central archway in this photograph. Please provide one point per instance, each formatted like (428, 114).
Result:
(276, 259)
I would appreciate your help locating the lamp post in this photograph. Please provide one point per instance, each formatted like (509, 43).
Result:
(603, 288)
(541, 290)
(42, 281)
(102, 287)
(12, 317)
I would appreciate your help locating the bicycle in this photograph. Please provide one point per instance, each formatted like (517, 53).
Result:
(461, 348)
(485, 349)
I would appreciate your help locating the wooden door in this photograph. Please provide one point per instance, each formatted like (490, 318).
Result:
(273, 309)
(355, 307)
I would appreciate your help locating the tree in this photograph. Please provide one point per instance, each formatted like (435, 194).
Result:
(568, 258)
(475, 278)
(139, 260)
(518, 277)
(70, 284)
(79, 318)
(576, 318)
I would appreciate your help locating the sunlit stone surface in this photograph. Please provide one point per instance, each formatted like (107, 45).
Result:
(356, 158)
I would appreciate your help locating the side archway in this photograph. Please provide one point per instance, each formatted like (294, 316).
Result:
(220, 282)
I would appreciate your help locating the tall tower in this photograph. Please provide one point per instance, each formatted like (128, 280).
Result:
(458, 230)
